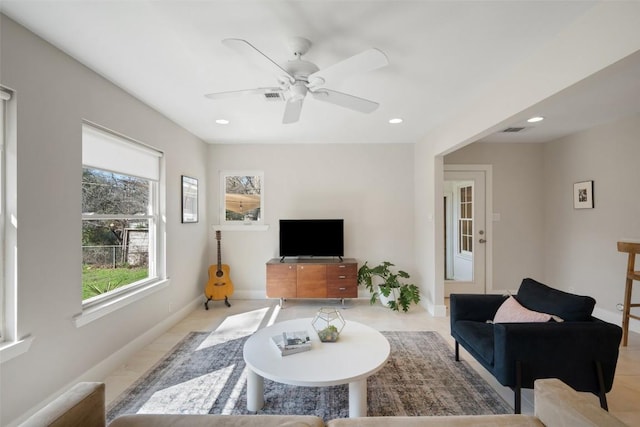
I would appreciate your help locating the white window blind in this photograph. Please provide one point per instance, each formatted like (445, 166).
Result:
(106, 151)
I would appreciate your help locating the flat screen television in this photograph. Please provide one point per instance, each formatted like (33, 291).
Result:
(312, 237)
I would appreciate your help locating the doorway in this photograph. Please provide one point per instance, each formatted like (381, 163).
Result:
(465, 233)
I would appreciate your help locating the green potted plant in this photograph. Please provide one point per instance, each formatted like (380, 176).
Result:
(383, 283)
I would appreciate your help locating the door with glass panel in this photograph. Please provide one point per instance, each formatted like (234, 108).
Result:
(465, 232)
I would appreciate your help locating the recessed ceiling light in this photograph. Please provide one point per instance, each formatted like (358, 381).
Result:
(395, 121)
(535, 119)
(222, 121)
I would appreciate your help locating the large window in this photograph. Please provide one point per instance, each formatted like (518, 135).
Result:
(121, 244)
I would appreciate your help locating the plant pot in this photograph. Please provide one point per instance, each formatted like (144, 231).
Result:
(385, 300)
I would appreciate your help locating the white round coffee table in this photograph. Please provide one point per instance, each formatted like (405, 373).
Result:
(359, 352)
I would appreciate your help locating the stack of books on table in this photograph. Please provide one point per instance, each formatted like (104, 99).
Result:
(292, 342)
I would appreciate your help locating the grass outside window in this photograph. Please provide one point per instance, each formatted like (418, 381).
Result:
(97, 280)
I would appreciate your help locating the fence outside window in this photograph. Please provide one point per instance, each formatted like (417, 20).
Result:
(110, 256)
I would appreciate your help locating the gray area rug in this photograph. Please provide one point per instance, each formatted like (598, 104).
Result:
(205, 373)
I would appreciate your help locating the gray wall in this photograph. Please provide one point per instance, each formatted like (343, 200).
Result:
(369, 185)
(54, 93)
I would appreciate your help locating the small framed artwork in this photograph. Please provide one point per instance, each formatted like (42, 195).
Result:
(583, 195)
(189, 199)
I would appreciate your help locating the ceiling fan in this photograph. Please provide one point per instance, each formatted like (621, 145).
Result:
(297, 77)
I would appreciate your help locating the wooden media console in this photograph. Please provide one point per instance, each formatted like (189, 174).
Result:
(312, 278)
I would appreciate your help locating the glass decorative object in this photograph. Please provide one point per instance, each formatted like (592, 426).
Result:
(328, 323)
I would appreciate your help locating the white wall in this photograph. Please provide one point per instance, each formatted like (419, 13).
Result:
(54, 93)
(518, 200)
(369, 185)
(580, 244)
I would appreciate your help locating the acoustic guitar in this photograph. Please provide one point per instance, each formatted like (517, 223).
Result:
(219, 285)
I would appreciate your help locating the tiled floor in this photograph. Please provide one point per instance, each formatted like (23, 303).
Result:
(248, 314)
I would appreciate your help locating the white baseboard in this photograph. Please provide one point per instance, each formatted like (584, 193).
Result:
(436, 310)
(244, 294)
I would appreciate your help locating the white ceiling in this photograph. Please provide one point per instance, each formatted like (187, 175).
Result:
(442, 55)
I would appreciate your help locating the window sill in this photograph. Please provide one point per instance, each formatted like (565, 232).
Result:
(111, 305)
(241, 227)
(9, 350)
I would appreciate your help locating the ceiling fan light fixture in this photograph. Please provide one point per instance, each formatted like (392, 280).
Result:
(396, 121)
(298, 91)
(535, 119)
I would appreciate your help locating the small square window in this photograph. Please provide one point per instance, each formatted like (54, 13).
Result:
(242, 197)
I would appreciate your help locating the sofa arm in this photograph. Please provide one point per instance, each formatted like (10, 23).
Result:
(82, 406)
(478, 308)
(567, 350)
(557, 404)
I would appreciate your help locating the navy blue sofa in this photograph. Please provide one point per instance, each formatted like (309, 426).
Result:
(582, 350)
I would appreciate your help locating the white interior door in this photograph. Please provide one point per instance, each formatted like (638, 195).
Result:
(465, 232)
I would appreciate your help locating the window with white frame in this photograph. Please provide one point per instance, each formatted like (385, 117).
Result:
(8, 220)
(121, 228)
(242, 198)
(4, 96)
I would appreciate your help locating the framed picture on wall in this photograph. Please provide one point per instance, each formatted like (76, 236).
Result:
(583, 195)
(242, 197)
(189, 199)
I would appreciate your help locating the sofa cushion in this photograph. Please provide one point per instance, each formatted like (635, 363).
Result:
(478, 336)
(539, 297)
(512, 312)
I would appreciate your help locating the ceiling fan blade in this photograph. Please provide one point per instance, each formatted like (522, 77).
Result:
(236, 93)
(368, 60)
(248, 50)
(348, 101)
(292, 111)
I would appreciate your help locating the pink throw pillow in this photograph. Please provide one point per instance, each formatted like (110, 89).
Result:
(512, 312)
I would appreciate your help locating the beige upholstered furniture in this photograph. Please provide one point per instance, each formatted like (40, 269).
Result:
(556, 404)
(83, 405)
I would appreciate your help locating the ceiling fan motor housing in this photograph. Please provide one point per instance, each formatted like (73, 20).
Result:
(300, 69)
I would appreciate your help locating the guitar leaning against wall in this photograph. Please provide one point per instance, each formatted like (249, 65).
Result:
(219, 285)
